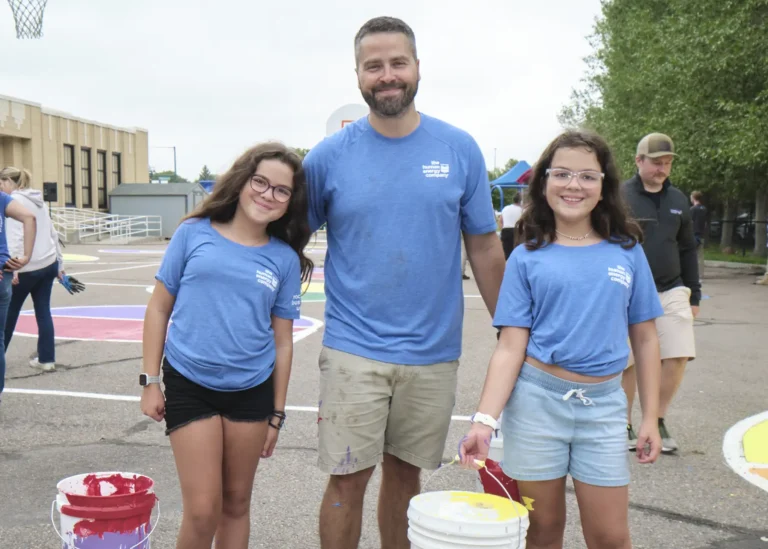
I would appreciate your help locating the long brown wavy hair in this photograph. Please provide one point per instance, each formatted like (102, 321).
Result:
(610, 218)
(293, 227)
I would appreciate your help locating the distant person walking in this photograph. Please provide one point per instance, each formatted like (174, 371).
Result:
(37, 277)
(699, 217)
(663, 212)
(509, 218)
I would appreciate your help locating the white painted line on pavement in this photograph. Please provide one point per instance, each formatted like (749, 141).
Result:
(117, 285)
(131, 398)
(115, 270)
(733, 450)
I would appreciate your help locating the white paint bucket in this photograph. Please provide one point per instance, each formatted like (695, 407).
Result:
(465, 520)
(108, 510)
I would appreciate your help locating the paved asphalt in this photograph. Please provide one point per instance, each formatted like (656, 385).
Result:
(691, 500)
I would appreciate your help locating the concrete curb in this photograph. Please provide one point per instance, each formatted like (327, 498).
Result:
(758, 269)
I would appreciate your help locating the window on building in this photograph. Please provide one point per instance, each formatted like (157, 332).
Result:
(85, 174)
(117, 177)
(101, 177)
(69, 175)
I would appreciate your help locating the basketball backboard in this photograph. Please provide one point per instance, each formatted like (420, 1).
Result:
(343, 116)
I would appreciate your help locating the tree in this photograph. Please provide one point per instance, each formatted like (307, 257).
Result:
(172, 177)
(205, 174)
(301, 152)
(695, 70)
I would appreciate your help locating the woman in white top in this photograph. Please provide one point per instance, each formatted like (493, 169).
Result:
(37, 276)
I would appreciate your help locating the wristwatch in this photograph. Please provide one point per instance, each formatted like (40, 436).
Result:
(146, 379)
(485, 419)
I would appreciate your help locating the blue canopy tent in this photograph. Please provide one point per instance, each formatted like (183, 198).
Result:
(511, 180)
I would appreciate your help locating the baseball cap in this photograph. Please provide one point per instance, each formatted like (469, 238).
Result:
(655, 145)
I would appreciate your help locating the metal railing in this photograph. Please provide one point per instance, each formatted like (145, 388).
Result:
(89, 225)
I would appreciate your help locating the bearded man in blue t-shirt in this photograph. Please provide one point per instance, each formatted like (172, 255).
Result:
(397, 189)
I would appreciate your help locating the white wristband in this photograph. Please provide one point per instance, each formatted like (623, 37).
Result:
(485, 419)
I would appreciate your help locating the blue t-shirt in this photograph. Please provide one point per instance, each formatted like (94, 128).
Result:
(5, 255)
(395, 209)
(221, 333)
(578, 303)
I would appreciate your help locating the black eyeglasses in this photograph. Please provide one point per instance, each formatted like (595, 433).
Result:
(281, 193)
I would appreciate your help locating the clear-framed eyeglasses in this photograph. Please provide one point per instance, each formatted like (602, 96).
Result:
(586, 178)
(280, 193)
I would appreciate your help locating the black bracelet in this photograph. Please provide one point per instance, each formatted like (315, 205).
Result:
(281, 416)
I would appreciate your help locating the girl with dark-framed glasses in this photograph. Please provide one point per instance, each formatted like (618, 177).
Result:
(230, 283)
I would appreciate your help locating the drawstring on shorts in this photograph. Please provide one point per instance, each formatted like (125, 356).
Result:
(580, 395)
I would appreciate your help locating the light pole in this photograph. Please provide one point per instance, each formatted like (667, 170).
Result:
(174, 157)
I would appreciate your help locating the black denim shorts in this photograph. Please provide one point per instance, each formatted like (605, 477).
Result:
(186, 401)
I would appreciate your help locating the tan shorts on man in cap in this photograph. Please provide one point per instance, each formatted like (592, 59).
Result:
(675, 328)
(368, 407)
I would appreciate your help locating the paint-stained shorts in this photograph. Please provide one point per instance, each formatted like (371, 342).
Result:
(675, 328)
(368, 407)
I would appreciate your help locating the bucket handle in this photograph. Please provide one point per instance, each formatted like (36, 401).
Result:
(146, 538)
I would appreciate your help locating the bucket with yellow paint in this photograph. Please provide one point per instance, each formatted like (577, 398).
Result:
(455, 519)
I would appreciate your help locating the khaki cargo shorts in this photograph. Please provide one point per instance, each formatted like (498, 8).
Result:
(675, 328)
(367, 408)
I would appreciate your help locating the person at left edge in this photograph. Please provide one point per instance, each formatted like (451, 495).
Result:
(10, 208)
(231, 282)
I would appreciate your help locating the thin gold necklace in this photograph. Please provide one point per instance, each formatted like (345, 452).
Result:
(574, 237)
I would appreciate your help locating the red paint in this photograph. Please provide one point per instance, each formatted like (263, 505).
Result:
(128, 507)
(123, 485)
(131, 520)
(490, 486)
(87, 328)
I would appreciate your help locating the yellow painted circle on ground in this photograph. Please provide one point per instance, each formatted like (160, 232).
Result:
(756, 444)
(79, 258)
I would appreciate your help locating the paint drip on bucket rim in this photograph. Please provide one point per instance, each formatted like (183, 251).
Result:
(110, 510)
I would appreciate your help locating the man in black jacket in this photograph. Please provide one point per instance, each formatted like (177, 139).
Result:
(663, 212)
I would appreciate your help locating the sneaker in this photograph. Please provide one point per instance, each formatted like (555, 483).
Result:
(668, 444)
(44, 366)
(632, 439)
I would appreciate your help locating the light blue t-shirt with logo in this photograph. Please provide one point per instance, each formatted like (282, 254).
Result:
(221, 333)
(578, 303)
(395, 209)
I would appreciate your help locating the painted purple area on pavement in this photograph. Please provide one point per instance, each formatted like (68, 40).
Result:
(117, 312)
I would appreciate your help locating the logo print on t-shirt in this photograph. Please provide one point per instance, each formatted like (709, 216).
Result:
(619, 274)
(267, 278)
(436, 169)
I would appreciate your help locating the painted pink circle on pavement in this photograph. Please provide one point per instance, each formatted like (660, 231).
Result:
(115, 323)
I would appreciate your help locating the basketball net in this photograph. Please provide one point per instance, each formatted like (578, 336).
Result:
(28, 16)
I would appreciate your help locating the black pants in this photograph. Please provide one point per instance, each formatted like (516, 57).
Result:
(508, 241)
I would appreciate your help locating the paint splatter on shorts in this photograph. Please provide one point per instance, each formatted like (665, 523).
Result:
(368, 408)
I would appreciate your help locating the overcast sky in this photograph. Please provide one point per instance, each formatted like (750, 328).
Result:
(213, 78)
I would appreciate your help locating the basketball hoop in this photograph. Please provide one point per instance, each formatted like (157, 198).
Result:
(28, 16)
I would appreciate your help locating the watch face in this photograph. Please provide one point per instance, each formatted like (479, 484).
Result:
(143, 379)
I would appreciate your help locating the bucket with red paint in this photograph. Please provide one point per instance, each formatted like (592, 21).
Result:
(110, 510)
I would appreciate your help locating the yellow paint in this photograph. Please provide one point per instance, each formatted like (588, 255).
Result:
(528, 502)
(77, 257)
(756, 444)
(505, 508)
(314, 287)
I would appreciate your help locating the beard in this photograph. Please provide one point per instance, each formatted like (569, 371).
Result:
(392, 106)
